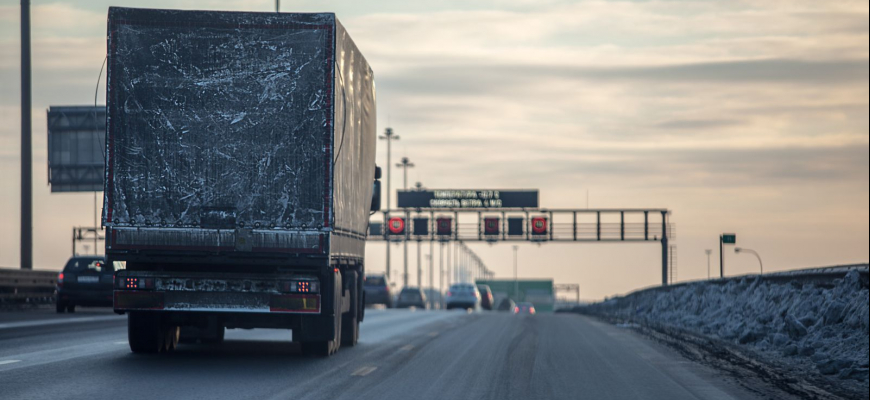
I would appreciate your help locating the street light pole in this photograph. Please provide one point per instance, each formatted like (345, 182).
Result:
(405, 164)
(708, 251)
(739, 250)
(26, 145)
(389, 136)
(516, 281)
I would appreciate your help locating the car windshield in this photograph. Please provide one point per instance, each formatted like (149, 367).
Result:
(375, 281)
(82, 264)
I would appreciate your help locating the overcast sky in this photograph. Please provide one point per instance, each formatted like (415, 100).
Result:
(739, 116)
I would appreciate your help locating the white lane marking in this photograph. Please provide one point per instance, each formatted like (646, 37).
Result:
(406, 347)
(62, 321)
(363, 371)
(4, 362)
(124, 342)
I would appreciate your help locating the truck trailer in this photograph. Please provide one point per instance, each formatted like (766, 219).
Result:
(240, 175)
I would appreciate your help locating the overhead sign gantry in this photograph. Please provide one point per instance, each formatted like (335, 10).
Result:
(514, 215)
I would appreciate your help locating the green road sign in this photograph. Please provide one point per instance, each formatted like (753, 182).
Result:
(729, 238)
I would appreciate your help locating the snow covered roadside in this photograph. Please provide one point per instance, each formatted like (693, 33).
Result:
(815, 327)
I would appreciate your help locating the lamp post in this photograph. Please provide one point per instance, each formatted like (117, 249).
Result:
(516, 282)
(405, 164)
(708, 251)
(389, 136)
(739, 250)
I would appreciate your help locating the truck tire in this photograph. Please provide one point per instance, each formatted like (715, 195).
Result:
(71, 308)
(325, 348)
(60, 307)
(350, 320)
(144, 333)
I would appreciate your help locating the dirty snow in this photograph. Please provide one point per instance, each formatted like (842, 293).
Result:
(814, 326)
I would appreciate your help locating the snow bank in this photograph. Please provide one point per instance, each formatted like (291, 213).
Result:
(818, 324)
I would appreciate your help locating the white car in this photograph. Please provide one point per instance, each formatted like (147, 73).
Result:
(463, 295)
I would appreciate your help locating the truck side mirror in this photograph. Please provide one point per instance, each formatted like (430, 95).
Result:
(377, 172)
(376, 196)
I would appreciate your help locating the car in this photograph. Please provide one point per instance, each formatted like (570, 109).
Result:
(411, 297)
(524, 308)
(506, 304)
(462, 295)
(377, 291)
(85, 281)
(486, 301)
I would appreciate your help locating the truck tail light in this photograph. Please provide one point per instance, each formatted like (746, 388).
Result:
(60, 279)
(299, 286)
(135, 283)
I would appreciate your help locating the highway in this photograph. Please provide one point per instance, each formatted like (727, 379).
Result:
(402, 354)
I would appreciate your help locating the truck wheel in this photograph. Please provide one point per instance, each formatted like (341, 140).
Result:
(60, 307)
(170, 338)
(144, 333)
(71, 308)
(324, 348)
(350, 320)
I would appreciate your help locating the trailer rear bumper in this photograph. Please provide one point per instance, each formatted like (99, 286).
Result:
(233, 293)
(125, 300)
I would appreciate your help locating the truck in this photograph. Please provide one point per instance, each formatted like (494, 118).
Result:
(240, 175)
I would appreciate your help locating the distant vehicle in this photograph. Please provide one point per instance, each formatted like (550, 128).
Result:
(411, 297)
(85, 281)
(506, 305)
(486, 301)
(378, 291)
(463, 295)
(524, 308)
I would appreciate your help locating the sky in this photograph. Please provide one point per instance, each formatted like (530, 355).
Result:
(738, 116)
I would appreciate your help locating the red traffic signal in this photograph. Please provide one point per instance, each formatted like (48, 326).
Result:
(539, 225)
(444, 226)
(396, 226)
(490, 226)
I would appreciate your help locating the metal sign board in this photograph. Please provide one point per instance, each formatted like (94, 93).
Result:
(421, 226)
(467, 198)
(76, 145)
(729, 238)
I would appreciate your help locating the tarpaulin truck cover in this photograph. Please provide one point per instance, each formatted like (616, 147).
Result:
(236, 132)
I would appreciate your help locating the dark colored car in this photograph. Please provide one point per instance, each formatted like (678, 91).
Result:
(85, 281)
(411, 297)
(377, 291)
(486, 301)
(506, 305)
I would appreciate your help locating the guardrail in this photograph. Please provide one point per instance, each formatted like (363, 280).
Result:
(18, 285)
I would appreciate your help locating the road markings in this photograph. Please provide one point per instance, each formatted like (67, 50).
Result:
(406, 347)
(364, 371)
(4, 362)
(59, 321)
(124, 342)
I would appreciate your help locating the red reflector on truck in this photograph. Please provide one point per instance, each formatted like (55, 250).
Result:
(309, 303)
(128, 300)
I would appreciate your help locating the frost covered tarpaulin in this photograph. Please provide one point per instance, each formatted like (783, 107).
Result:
(262, 122)
(216, 114)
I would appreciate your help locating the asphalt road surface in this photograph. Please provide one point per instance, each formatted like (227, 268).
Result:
(403, 354)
